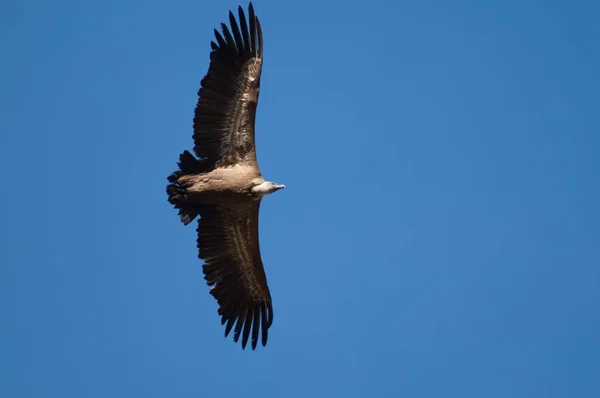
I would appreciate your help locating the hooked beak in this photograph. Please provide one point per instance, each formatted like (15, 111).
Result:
(279, 186)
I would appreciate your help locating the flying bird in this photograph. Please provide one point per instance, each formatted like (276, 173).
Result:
(222, 185)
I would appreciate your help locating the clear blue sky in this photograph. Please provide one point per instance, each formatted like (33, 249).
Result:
(439, 235)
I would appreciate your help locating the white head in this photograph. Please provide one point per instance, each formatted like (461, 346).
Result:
(266, 188)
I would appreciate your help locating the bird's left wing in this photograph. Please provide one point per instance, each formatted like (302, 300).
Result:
(228, 244)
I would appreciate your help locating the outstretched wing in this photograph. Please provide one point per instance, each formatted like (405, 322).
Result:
(228, 244)
(225, 112)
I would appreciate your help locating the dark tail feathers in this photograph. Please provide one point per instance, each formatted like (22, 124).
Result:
(188, 164)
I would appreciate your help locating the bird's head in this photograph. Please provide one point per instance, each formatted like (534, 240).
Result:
(266, 188)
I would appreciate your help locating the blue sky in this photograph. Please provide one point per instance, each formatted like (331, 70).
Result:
(438, 236)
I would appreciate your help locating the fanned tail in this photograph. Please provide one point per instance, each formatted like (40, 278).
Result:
(188, 164)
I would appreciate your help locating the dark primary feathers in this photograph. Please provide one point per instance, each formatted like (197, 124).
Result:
(225, 112)
(228, 243)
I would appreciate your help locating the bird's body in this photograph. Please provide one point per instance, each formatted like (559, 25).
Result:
(220, 185)
(223, 185)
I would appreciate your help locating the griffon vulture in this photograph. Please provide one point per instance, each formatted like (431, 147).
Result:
(223, 185)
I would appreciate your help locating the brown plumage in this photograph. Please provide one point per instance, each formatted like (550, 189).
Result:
(224, 186)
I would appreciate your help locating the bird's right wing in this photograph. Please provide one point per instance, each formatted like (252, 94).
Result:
(228, 97)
